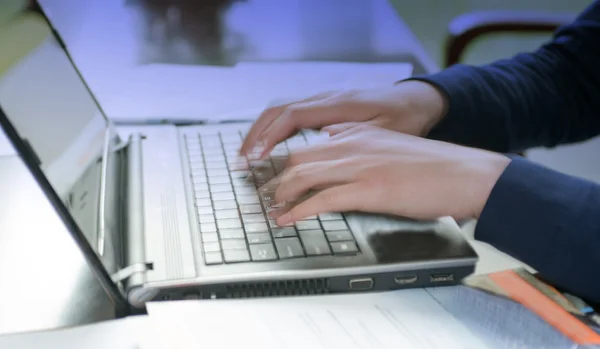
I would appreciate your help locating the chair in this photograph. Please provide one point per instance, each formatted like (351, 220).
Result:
(468, 27)
(464, 29)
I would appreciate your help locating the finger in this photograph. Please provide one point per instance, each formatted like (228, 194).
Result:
(314, 114)
(267, 117)
(339, 128)
(301, 179)
(343, 198)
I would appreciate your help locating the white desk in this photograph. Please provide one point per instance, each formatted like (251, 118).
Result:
(105, 42)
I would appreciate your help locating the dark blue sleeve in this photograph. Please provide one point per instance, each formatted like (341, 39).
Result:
(543, 98)
(548, 220)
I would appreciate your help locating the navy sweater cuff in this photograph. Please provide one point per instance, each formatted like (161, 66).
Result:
(462, 124)
(549, 221)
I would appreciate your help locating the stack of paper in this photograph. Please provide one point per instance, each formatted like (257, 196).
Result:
(412, 320)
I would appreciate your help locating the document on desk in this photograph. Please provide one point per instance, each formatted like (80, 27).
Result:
(410, 320)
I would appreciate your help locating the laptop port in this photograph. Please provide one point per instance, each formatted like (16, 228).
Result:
(442, 277)
(361, 284)
(406, 279)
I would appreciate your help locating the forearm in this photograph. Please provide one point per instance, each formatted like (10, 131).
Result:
(544, 98)
(549, 221)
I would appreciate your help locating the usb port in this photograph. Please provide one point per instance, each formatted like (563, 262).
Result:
(442, 277)
(406, 280)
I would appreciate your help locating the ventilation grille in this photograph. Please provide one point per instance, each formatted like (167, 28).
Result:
(276, 289)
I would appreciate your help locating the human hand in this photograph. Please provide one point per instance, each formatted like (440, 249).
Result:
(412, 107)
(372, 169)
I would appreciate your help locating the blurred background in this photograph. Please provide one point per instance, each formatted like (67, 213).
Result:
(121, 45)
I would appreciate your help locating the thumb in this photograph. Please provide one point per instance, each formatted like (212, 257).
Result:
(339, 128)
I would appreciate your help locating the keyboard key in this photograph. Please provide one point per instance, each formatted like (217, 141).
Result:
(227, 214)
(256, 228)
(267, 196)
(211, 247)
(220, 188)
(235, 233)
(314, 242)
(204, 210)
(212, 258)
(203, 202)
(331, 216)
(225, 205)
(239, 174)
(210, 237)
(217, 172)
(200, 187)
(197, 165)
(237, 166)
(217, 165)
(236, 256)
(346, 247)
(246, 190)
(289, 248)
(199, 179)
(247, 200)
(229, 223)
(263, 173)
(273, 224)
(309, 218)
(260, 238)
(308, 225)
(340, 235)
(263, 252)
(253, 218)
(222, 196)
(202, 195)
(219, 180)
(250, 209)
(208, 227)
(334, 225)
(233, 244)
(205, 218)
(285, 232)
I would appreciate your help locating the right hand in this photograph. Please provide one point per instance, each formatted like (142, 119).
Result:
(411, 107)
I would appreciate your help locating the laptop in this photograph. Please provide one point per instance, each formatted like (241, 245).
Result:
(171, 212)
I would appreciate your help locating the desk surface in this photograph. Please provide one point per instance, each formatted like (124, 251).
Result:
(126, 62)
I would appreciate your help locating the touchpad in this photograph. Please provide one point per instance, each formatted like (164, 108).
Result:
(417, 245)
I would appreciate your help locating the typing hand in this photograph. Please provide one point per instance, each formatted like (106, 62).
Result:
(411, 107)
(372, 169)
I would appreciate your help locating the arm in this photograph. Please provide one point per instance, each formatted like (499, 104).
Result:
(549, 221)
(545, 98)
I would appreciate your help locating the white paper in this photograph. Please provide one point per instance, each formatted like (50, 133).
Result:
(116, 334)
(409, 319)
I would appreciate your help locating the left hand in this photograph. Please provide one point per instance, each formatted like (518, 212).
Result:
(371, 169)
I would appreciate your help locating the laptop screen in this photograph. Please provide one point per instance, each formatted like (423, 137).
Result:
(50, 107)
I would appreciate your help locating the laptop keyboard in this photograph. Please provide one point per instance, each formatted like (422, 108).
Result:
(231, 211)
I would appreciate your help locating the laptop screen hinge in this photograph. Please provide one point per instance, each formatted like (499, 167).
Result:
(133, 220)
(130, 270)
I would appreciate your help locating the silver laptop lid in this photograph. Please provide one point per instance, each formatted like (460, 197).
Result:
(62, 134)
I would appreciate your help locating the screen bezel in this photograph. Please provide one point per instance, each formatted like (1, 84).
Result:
(31, 161)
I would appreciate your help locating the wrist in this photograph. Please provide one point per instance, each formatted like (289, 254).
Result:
(426, 102)
(486, 174)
